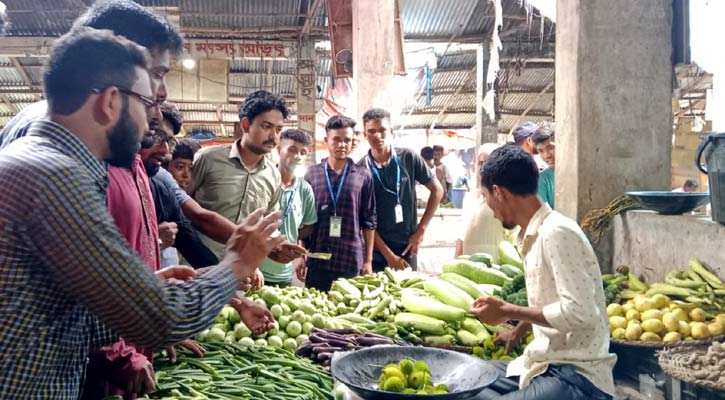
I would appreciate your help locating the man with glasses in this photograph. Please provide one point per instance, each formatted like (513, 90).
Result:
(186, 239)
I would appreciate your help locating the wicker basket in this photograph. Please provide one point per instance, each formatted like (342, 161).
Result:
(674, 362)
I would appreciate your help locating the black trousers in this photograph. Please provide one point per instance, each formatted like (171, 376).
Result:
(321, 279)
(379, 262)
(559, 382)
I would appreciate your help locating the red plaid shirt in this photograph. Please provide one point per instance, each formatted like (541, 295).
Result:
(356, 207)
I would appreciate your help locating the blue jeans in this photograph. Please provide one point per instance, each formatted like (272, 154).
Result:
(559, 382)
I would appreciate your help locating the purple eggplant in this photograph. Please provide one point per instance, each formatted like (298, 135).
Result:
(341, 331)
(305, 350)
(332, 342)
(372, 341)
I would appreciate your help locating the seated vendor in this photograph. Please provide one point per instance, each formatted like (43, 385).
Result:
(569, 355)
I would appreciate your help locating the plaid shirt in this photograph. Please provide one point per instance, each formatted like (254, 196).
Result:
(356, 206)
(63, 263)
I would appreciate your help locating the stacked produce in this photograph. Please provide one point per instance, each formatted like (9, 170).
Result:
(709, 366)
(323, 343)
(689, 305)
(232, 371)
(409, 377)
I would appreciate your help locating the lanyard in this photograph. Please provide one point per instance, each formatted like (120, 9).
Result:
(339, 187)
(376, 171)
(289, 202)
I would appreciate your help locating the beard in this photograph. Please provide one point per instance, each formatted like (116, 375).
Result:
(123, 140)
(151, 169)
(260, 150)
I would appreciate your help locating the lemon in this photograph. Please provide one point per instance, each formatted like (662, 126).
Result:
(650, 337)
(653, 326)
(614, 309)
(660, 300)
(684, 329)
(715, 329)
(643, 304)
(699, 330)
(680, 314)
(633, 315)
(721, 319)
(633, 332)
(616, 322)
(672, 324)
(672, 337)
(652, 314)
(697, 314)
(619, 334)
(628, 306)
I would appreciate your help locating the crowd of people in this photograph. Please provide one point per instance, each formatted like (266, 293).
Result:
(101, 204)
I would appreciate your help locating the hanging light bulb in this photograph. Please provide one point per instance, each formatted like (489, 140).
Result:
(188, 63)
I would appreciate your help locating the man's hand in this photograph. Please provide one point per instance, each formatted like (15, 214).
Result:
(144, 380)
(287, 252)
(183, 273)
(490, 310)
(188, 344)
(251, 242)
(513, 337)
(167, 234)
(301, 269)
(416, 239)
(367, 268)
(397, 262)
(253, 282)
(255, 316)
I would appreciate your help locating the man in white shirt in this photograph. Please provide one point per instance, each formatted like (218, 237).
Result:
(569, 356)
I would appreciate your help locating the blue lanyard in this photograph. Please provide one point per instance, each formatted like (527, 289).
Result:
(339, 187)
(289, 202)
(376, 171)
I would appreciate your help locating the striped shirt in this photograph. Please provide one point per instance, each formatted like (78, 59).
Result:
(63, 263)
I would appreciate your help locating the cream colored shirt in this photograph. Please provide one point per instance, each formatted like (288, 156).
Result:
(222, 183)
(563, 277)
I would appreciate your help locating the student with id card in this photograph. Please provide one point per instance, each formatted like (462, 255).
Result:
(395, 171)
(345, 202)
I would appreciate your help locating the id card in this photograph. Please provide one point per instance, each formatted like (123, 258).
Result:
(335, 226)
(398, 214)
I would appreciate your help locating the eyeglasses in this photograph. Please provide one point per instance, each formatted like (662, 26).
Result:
(148, 102)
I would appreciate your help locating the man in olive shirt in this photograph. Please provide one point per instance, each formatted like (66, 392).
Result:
(236, 179)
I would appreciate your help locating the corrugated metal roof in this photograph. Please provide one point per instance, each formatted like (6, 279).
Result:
(241, 85)
(10, 77)
(429, 18)
(457, 60)
(527, 78)
(235, 14)
(522, 101)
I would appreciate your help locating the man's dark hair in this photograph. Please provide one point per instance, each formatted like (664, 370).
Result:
(260, 102)
(173, 115)
(513, 168)
(427, 153)
(186, 148)
(298, 136)
(85, 60)
(542, 134)
(375, 114)
(339, 122)
(691, 183)
(134, 22)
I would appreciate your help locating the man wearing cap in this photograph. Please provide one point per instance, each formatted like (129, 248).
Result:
(523, 138)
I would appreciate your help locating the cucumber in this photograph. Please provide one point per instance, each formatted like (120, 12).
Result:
(463, 283)
(482, 258)
(507, 254)
(467, 338)
(444, 340)
(510, 270)
(422, 323)
(448, 293)
(475, 327)
(476, 272)
(431, 307)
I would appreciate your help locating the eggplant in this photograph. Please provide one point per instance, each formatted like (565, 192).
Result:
(330, 335)
(318, 350)
(305, 350)
(373, 341)
(323, 356)
(340, 331)
(330, 341)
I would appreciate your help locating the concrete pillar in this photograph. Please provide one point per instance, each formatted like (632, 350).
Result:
(373, 54)
(486, 130)
(306, 94)
(613, 100)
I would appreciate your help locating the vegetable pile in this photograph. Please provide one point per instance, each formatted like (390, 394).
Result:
(688, 305)
(709, 366)
(232, 371)
(409, 377)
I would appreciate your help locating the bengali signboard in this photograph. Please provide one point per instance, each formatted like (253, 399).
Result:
(238, 49)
